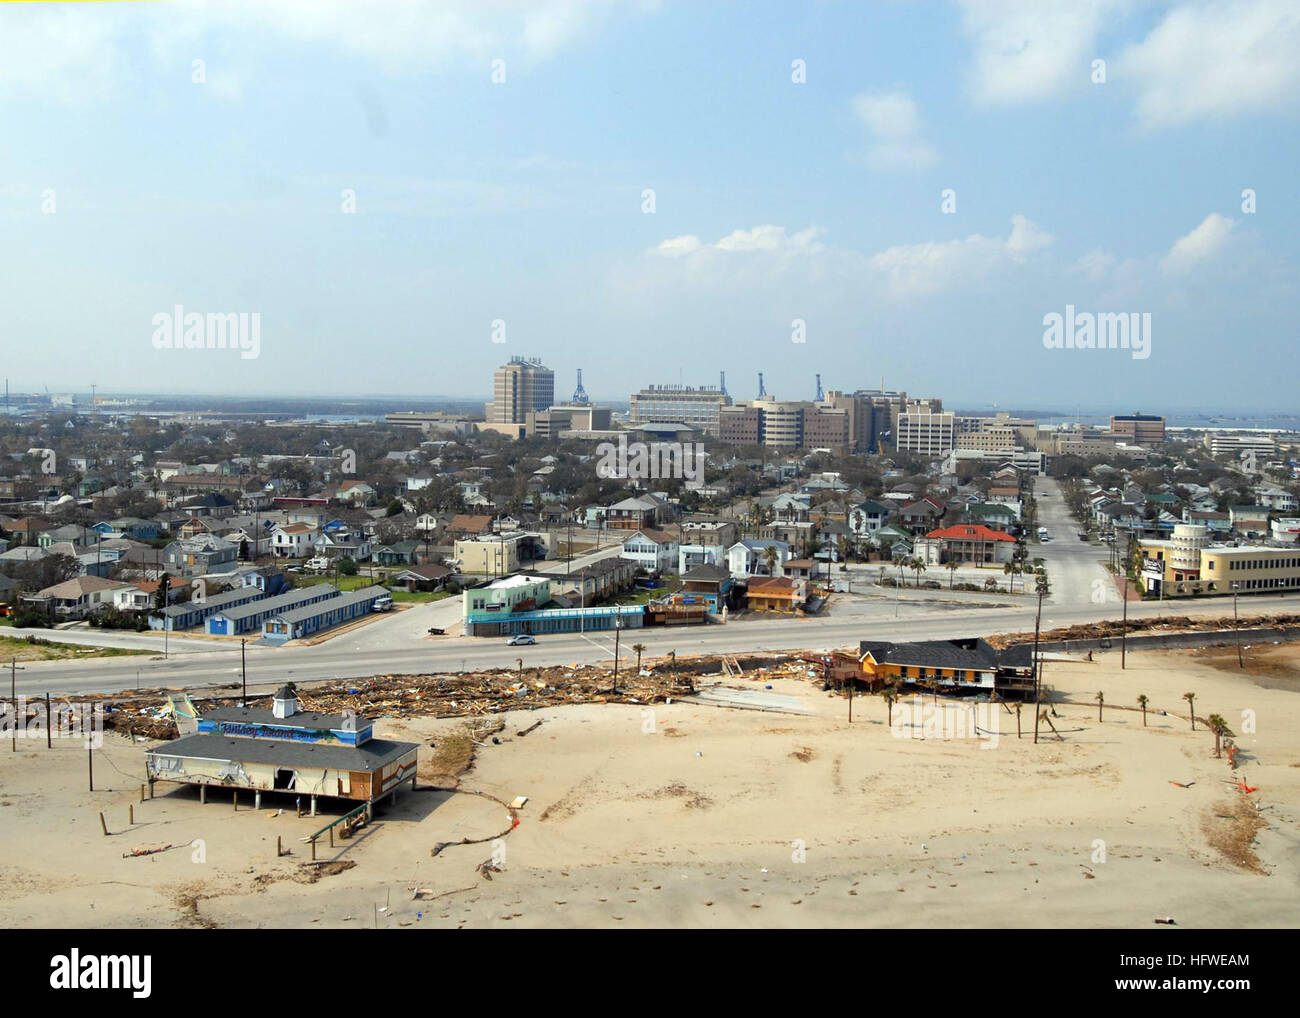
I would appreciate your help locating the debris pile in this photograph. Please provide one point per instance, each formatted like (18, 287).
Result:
(1114, 628)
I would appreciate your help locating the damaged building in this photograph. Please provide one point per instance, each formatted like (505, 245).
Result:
(286, 750)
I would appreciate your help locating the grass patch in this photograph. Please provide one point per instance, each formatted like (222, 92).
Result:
(40, 649)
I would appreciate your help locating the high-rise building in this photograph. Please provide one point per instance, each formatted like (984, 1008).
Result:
(1140, 429)
(786, 424)
(684, 404)
(926, 429)
(519, 388)
(873, 416)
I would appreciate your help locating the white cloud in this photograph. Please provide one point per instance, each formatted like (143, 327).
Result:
(912, 269)
(1095, 263)
(1203, 243)
(75, 53)
(1028, 51)
(766, 238)
(895, 126)
(1215, 61)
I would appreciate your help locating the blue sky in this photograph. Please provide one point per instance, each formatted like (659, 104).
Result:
(774, 200)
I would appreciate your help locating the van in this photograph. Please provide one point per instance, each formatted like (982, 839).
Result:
(318, 565)
(382, 604)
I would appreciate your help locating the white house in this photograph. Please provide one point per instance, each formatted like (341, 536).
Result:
(750, 558)
(652, 550)
(294, 540)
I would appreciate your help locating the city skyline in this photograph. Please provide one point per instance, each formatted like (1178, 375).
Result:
(570, 181)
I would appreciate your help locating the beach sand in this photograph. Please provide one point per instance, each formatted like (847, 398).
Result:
(718, 817)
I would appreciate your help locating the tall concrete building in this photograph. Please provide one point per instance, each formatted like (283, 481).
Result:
(926, 429)
(522, 387)
(786, 424)
(1140, 429)
(685, 404)
(873, 416)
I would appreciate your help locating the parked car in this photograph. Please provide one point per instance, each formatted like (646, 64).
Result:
(522, 640)
(382, 604)
(318, 564)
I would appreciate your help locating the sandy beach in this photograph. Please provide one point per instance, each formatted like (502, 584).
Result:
(703, 816)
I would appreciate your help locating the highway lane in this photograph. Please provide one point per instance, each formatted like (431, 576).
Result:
(350, 656)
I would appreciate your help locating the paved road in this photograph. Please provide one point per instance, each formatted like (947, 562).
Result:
(395, 644)
(1075, 569)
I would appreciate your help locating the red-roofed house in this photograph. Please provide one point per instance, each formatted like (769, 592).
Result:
(974, 543)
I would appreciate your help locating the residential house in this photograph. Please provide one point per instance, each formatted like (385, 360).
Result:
(637, 513)
(196, 555)
(652, 550)
(974, 543)
(293, 540)
(427, 577)
(776, 594)
(757, 557)
(78, 598)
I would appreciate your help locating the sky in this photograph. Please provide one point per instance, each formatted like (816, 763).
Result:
(654, 192)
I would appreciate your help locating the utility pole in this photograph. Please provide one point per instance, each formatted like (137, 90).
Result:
(1123, 632)
(618, 628)
(13, 697)
(1235, 623)
(1037, 620)
(243, 669)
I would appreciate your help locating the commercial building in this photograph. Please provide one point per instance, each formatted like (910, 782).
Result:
(1139, 429)
(1188, 565)
(964, 665)
(248, 618)
(298, 623)
(786, 424)
(1234, 444)
(489, 555)
(555, 421)
(699, 407)
(926, 429)
(519, 388)
(194, 613)
(302, 753)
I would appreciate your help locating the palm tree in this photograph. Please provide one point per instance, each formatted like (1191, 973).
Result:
(1142, 702)
(1220, 728)
(1191, 705)
(1101, 700)
(918, 567)
(1009, 570)
(640, 649)
(770, 557)
(952, 573)
(890, 695)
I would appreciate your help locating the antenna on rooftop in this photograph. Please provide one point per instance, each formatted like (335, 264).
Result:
(820, 395)
(761, 391)
(722, 382)
(580, 394)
